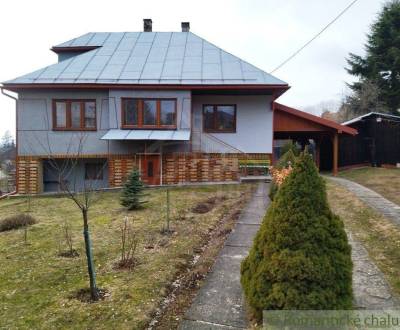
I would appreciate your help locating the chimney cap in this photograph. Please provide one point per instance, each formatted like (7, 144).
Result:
(185, 26)
(147, 25)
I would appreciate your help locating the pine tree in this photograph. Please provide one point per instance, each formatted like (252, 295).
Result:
(381, 64)
(132, 192)
(300, 258)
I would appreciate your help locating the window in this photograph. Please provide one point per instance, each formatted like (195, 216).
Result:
(94, 171)
(219, 118)
(130, 112)
(74, 115)
(167, 116)
(148, 113)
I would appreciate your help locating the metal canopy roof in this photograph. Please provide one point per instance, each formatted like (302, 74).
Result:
(166, 135)
(386, 115)
(147, 58)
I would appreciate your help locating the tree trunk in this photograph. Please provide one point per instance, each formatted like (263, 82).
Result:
(92, 274)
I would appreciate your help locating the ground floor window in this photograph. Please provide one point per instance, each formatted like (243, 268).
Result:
(94, 171)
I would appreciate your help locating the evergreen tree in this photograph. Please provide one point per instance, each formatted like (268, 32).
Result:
(300, 258)
(132, 192)
(381, 64)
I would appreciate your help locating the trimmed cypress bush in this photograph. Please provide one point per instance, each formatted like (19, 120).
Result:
(288, 158)
(290, 145)
(132, 192)
(300, 258)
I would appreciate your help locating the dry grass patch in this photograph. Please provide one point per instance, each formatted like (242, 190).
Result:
(39, 288)
(379, 235)
(382, 180)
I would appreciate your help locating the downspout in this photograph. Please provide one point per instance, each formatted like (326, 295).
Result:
(16, 137)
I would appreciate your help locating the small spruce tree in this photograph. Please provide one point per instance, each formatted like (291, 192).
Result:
(300, 258)
(132, 192)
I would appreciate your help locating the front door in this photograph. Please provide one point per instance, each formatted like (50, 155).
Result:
(151, 169)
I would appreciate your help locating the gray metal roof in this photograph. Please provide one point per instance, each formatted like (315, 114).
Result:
(148, 58)
(354, 120)
(165, 135)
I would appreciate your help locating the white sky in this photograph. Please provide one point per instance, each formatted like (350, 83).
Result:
(262, 32)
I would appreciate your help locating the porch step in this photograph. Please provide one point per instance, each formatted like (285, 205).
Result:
(255, 178)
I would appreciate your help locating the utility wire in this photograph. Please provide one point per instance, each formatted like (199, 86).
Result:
(315, 37)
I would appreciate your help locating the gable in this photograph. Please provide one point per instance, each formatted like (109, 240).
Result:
(285, 122)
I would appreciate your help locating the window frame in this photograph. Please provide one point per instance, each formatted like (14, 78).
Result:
(68, 115)
(215, 119)
(140, 109)
(97, 177)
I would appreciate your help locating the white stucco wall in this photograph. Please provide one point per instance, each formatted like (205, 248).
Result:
(35, 126)
(254, 131)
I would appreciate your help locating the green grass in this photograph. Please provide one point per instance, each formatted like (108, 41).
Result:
(379, 235)
(382, 180)
(37, 286)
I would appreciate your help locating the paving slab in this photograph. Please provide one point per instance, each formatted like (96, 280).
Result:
(387, 208)
(370, 288)
(219, 303)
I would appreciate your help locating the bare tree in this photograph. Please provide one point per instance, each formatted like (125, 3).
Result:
(83, 194)
(129, 243)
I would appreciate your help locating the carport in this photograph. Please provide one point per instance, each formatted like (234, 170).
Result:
(301, 127)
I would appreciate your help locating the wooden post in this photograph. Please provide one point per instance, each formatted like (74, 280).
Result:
(318, 151)
(335, 153)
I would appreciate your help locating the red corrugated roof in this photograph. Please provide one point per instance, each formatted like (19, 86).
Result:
(321, 121)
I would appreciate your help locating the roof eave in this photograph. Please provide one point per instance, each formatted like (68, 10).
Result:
(321, 121)
(279, 89)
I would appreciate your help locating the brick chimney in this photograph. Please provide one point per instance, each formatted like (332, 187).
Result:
(185, 26)
(147, 25)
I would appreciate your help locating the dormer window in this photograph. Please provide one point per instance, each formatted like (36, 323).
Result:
(74, 115)
(148, 113)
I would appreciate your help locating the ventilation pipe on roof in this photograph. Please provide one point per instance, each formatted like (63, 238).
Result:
(147, 25)
(185, 26)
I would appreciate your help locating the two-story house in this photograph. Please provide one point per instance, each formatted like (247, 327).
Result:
(172, 104)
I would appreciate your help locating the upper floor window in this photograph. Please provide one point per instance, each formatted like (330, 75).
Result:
(219, 118)
(148, 113)
(74, 115)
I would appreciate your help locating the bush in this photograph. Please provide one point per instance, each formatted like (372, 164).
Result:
(291, 146)
(273, 190)
(300, 258)
(16, 221)
(132, 192)
(286, 160)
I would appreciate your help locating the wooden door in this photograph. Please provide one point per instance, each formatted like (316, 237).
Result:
(151, 169)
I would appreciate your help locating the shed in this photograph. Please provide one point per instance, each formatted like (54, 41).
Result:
(377, 144)
(300, 126)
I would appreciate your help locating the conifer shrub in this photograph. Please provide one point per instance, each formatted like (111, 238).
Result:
(287, 160)
(290, 145)
(132, 193)
(300, 258)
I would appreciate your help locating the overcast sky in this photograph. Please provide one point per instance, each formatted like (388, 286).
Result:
(262, 32)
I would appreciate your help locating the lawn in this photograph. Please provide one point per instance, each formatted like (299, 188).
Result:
(382, 180)
(38, 288)
(379, 235)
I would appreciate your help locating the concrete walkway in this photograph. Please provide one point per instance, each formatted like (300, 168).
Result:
(385, 207)
(219, 303)
(371, 290)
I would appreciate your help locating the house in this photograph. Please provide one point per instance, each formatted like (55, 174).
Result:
(377, 144)
(172, 104)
